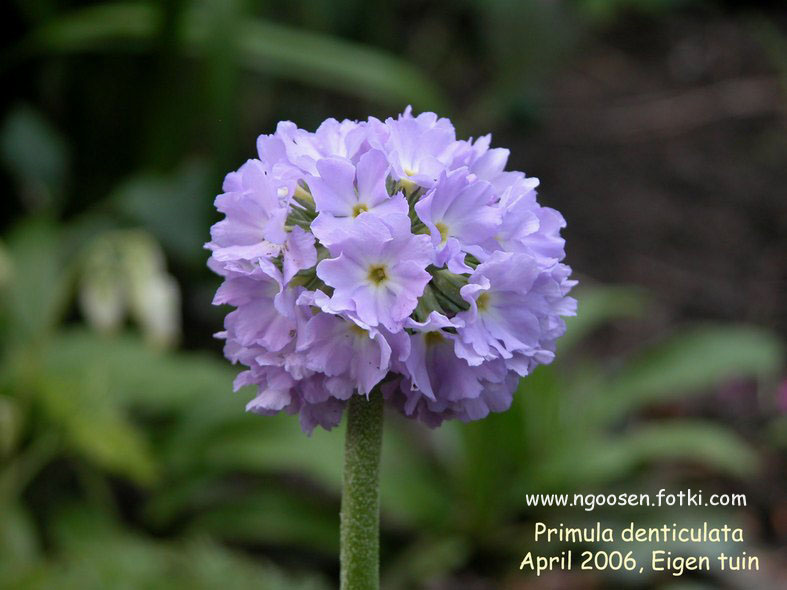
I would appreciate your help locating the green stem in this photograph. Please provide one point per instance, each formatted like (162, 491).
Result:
(360, 514)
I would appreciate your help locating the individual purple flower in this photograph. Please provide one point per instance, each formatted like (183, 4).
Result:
(458, 214)
(275, 390)
(264, 314)
(298, 253)
(511, 301)
(379, 271)
(418, 148)
(343, 191)
(487, 163)
(327, 413)
(496, 397)
(437, 384)
(303, 149)
(255, 203)
(255, 214)
(432, 369)
(335, 347)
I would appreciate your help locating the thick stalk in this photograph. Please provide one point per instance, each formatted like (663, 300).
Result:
(360, 514)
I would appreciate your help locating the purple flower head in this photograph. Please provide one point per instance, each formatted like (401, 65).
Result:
(386, 255)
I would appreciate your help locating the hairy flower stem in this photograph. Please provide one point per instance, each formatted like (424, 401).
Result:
(360, 513)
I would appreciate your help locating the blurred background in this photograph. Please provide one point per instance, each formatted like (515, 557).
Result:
(659, 129)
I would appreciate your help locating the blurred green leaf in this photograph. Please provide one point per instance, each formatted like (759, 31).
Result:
(276, 445)
(10, 425)
(20, 469)
(155, 200)
(95, 26)
(538, 402)
(94, 424)
(411, 490)
(777, 432)
(610, 459)
(338, 65)
(599, 306)
(710, 445)
(603, 11)
(691, 361)
(96, 554)
(144, 378)
(483, 486)
(183, 494)
(36, 10)
(520, 62)
(413, 482)
(5, 266)
(222, 74)
(276, 517)
(424, 560)
(265, 47)
(18, 539)
(37, 157)
(40, 279)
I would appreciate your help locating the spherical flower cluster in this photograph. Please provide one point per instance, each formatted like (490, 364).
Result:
(386, 254)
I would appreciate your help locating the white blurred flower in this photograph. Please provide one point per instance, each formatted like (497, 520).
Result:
(124, 274)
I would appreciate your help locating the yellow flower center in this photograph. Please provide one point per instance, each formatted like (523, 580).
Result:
(357, 330)
(433, 338)
(408, 185)
(378, 274)
(303, 194)
(483, 301)
(359, 208)
(443, 229)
